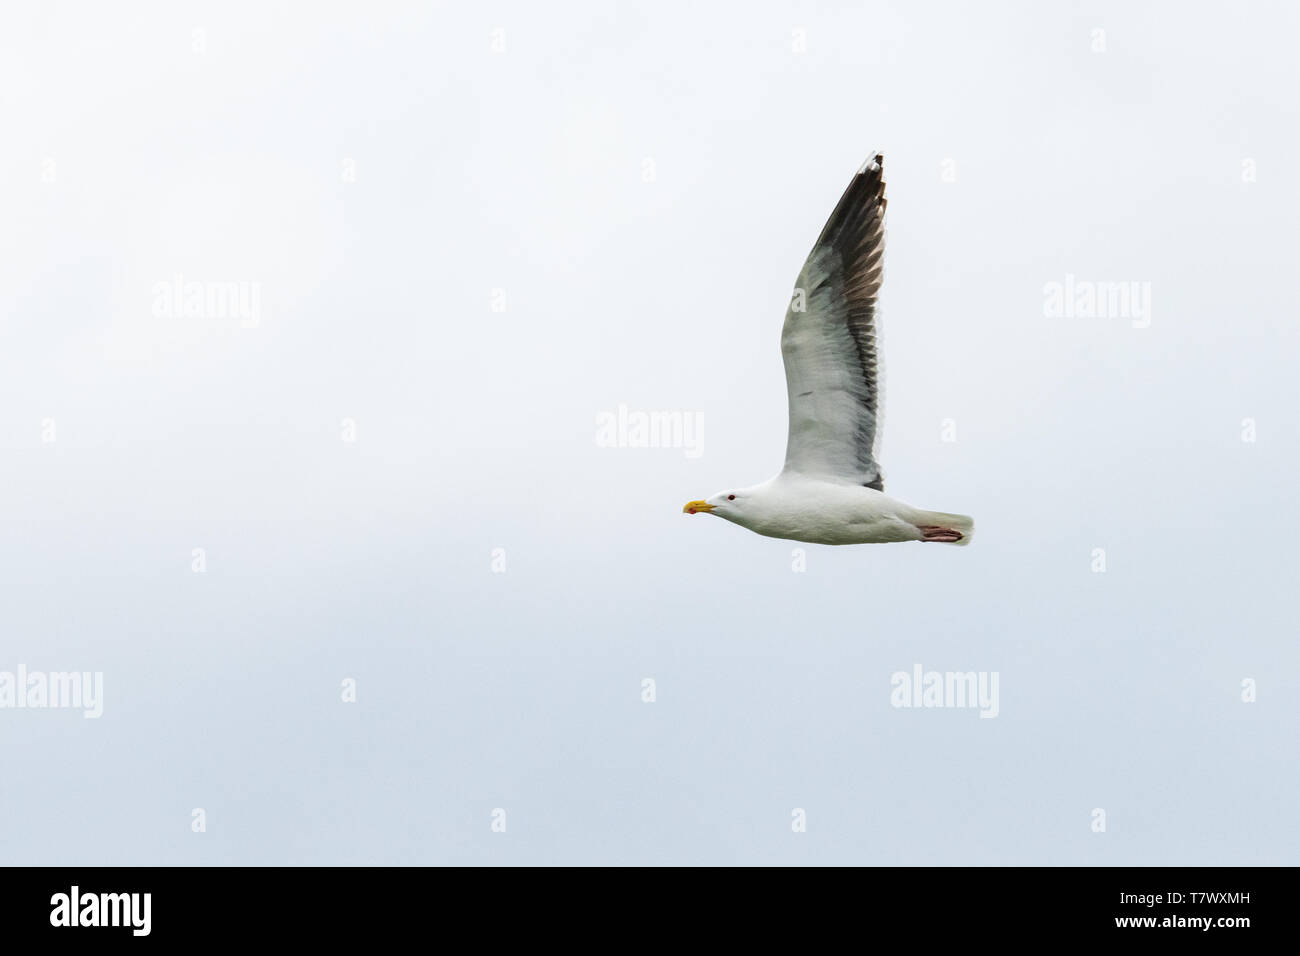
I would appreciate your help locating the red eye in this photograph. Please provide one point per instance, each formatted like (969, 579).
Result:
(731, 497)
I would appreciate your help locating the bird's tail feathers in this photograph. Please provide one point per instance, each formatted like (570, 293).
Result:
(944, 528)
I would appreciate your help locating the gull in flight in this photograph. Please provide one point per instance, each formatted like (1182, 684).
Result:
(831, 490)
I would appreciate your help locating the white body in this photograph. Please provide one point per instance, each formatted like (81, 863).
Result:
(822, 511)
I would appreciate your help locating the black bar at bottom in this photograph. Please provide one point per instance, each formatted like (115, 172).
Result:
(91, 905)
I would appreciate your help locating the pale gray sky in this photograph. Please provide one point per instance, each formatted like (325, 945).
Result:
(470, 231)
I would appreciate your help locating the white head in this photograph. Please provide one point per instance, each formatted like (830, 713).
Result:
(725, 504)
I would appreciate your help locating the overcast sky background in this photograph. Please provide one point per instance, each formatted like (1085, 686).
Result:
(378, 170)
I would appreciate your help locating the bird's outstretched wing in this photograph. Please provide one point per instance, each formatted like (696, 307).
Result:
(829, 341)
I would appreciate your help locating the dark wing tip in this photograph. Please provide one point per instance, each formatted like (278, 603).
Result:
(863, 201)
(875, 162)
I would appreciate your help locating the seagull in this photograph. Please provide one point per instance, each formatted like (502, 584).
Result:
(832, 490)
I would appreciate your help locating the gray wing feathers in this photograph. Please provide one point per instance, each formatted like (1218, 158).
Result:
(829, 346)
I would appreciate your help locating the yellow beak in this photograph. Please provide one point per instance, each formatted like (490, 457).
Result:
(693, 506)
